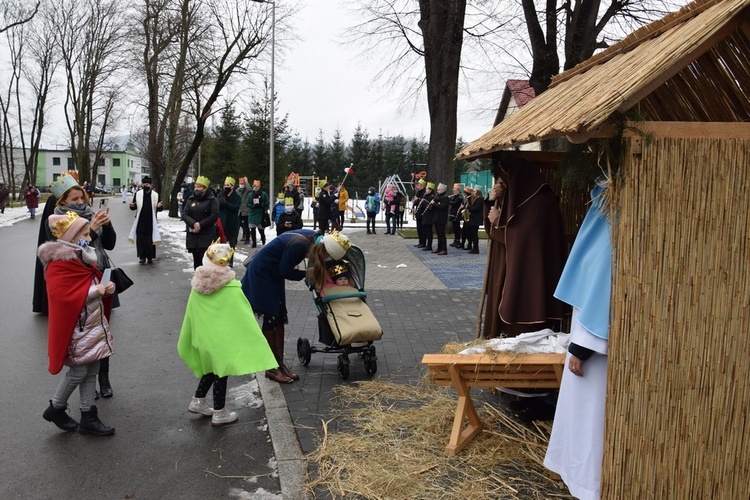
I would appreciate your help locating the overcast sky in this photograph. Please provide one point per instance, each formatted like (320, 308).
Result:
(322, 84)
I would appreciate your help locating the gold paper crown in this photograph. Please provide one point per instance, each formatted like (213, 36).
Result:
(62, 225)
(230, 180)
(203, 181)
(338, 270)
(342, 240)
(288, 201)
(220, 253)
(431, 185)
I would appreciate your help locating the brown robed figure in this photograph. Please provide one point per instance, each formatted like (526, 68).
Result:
(527, 251)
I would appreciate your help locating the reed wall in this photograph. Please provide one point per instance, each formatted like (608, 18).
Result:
(678, 422)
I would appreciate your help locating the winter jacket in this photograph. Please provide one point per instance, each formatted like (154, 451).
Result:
(476, 211)
(440, 209)
(70, 284)
(294, 220)
(229, 213)
(257, 203)
(31, 195)
(343, 198)
(427, 210)
(326, 201)
(244, 193)
(372, 203)
(205, 211)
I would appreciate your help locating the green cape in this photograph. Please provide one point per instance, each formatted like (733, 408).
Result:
(220, 335)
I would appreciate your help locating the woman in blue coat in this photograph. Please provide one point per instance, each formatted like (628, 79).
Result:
(264, 285)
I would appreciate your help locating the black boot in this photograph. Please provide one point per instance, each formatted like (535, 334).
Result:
(104, 387)
(90, 424)
(59, 417)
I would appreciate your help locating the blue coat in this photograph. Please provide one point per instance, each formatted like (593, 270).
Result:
(263, 282)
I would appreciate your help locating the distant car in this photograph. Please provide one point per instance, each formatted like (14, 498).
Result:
(99, 190)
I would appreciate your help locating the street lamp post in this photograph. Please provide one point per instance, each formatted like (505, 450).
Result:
(272, 131)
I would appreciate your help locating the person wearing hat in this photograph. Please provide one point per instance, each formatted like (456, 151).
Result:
(257, 204)
(265, 278)
(475, 205)
(4, 193)
(229, 212)
(244, 191)
(278, 207)
(417, 203)
(372, 207)
(289, 218)
(463, 214)
(326, 201)
(455, 201)
(78, 327)
(291, 191)
(440, 218)
(219, 335)
(200, 215)
(145, 230)
(427, 215)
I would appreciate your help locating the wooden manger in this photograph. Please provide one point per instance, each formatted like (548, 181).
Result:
(464, 371)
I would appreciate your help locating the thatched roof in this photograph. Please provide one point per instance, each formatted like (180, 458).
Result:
(692, 65)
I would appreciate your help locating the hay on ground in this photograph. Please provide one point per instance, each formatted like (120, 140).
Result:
(387, 441)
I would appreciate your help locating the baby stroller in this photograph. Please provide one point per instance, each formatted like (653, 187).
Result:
(345, 323)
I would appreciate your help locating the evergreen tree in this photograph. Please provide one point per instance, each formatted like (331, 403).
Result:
(359, 156)
(222, 156)
(337, 158)
(320, 156)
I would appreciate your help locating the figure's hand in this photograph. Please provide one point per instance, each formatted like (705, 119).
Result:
(109, 289)
(102, 289)
(197, 227)
(575, 365)
(132, 205)
(494, 216)
(160, 205)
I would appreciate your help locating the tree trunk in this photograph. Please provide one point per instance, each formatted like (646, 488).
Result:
(442, 23)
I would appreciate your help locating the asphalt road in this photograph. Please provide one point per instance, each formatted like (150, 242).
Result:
(159, 450)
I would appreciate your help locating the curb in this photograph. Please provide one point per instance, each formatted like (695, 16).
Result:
(290, 461)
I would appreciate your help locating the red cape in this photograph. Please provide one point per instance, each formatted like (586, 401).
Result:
(68, 283)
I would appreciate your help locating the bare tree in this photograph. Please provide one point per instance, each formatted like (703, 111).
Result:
(491, 45)
(90, 35)
(16, 12)
(191, 51)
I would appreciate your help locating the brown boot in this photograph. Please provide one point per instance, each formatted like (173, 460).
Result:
(279, 331)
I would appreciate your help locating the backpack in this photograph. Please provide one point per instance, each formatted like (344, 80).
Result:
(372, 204)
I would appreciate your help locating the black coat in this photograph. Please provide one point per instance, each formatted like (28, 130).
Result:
(294, 219)
(326, 201)
(204, 211)
(440, 209)
(427, 209)
(476, 212)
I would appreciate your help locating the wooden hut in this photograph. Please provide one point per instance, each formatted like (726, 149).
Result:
(678, 395)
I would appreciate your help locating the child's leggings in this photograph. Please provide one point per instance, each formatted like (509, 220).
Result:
(83, 377)
(220, 389)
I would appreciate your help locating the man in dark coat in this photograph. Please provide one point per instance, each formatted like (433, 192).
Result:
(326, 202)
(200, 214)
(4, 193)
(417, 208)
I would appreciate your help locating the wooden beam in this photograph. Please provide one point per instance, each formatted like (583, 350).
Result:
(690, 130)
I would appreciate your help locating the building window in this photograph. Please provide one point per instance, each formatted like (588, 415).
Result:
(55, 177)
(115, 182)
(115, 162)
(101, 162)
(144, 169)
(101, 179)
(70, 163)
(56, 161)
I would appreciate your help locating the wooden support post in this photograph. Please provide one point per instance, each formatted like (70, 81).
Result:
(460, 437)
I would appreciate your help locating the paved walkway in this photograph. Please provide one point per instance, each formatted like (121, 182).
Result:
(422, 302)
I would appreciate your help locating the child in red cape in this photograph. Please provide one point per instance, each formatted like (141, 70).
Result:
(78, 331)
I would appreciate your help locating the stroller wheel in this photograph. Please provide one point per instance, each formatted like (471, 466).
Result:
(304, 352)
(343, 367)
(371, 364)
